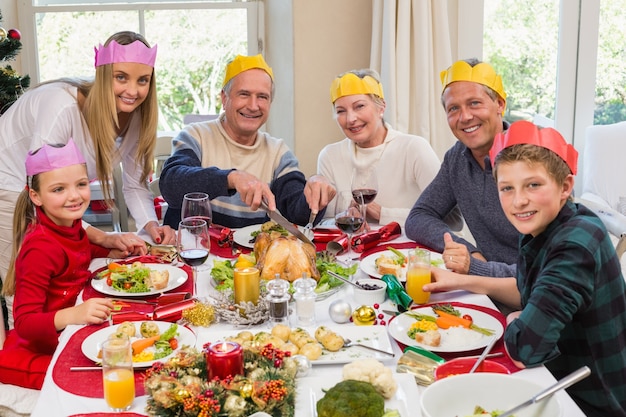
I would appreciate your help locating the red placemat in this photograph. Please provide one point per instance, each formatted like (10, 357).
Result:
(90, 291)
(84, 383)
(498, 347)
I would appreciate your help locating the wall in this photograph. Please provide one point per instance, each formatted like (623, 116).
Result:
(309, 48)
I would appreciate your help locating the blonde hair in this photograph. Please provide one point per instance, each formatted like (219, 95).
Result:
(23, 218)
(100, 114)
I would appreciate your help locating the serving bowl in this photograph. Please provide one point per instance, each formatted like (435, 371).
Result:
(369, 297)
(460, 366)
(457, 396)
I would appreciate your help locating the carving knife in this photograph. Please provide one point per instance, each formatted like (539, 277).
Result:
(278, 218)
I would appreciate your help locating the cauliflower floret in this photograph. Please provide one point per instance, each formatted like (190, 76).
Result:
(372, 371)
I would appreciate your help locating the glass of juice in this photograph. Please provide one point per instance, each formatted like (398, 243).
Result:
(417, 275)
(118, 378)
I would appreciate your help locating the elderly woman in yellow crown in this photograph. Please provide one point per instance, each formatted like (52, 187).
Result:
(236, 163)
(112, 118)
(404, 164)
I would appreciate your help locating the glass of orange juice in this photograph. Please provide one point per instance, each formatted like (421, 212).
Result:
(118, 378)
(417, 275)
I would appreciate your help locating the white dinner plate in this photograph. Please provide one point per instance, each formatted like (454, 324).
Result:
(400, 325)
(374, 336)
(309, 390)
(243, 236)
(178, 277)
(368, 264)
(91, 344)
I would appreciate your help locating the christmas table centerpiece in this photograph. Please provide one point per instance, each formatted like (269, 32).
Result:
(181, 386)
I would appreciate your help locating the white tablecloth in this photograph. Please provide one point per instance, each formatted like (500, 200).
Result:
(53, 401)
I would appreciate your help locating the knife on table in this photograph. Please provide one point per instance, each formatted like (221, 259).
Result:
(278, 218)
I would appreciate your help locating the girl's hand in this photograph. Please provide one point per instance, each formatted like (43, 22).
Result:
(124, 244)
(92, 311)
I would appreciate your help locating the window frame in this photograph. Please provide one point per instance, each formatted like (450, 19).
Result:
(28, 12)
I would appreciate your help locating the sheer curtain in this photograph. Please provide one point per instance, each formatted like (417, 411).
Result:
(411, 45)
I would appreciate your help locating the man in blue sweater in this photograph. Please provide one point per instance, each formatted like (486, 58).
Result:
(474, 101)
(237, 164)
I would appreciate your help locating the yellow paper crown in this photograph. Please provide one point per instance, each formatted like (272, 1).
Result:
(482, 73)
(350, 84)
(243, 63)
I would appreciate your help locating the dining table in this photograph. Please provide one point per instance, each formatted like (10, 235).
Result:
(57, 400)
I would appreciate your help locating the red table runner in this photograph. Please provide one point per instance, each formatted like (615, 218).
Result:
(84, 383)
(498, 347)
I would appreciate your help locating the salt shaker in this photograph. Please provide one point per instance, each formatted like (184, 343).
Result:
(278, 300)
(305, 300)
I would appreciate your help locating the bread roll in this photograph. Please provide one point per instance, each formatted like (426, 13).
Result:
(429, 337)
(386, 265)
(159, 279)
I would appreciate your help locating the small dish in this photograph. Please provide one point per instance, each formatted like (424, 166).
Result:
(463, 365)
(370, 297)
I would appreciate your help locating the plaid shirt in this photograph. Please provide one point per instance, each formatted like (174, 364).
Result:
(574, 309)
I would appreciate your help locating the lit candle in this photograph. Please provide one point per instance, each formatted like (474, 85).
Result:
(247, 285)
(224, 359)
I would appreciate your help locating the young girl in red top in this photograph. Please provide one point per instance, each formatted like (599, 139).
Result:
(50, 264)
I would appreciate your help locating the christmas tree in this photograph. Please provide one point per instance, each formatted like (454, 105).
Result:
(12, 85)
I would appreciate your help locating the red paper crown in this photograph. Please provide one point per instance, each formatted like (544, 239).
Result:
(524, 132)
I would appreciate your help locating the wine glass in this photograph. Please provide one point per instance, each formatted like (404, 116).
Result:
(197, 206)
(349, 221)
(364, 187)
(194, 243)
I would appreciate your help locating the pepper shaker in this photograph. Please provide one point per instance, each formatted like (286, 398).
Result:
(278, 300)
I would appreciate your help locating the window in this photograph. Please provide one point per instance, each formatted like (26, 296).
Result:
(195, 41)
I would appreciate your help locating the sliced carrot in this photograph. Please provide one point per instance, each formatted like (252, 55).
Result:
(114, 266)
(140, 345)
(452, 319)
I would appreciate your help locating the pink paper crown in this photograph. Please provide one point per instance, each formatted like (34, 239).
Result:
(48, 158)
(134, 52)
(525, 132)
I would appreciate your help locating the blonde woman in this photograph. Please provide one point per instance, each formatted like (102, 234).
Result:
(111, 118)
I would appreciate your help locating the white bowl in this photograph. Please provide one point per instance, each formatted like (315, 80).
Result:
(457, 396)
(370, 297)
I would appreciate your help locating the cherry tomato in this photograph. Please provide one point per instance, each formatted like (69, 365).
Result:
(173, 343)
(109, 281)
(127, 285)
(468, 317)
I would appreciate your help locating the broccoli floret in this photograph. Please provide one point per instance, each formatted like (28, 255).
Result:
(351, 398)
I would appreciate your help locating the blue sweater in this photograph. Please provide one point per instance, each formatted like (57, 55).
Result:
(462, 183)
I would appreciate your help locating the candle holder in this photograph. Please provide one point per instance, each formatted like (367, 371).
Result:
(224, 359)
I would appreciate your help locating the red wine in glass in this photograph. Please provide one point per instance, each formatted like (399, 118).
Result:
(364, 195)
(349, 224)
(194, 257)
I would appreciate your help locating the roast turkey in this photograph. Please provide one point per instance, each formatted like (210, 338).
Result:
(287, 256)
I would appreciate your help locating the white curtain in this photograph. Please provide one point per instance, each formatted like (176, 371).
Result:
(411, 45)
